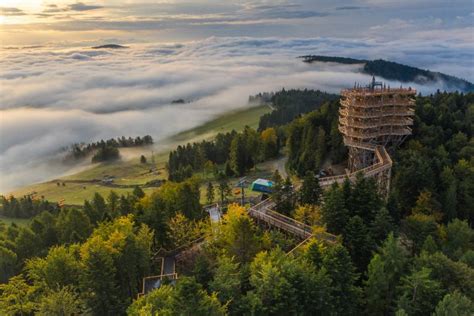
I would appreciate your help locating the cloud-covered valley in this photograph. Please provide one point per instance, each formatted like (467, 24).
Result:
(54, 96)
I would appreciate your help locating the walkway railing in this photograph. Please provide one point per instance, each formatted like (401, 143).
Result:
(263, 212)
(384, 163)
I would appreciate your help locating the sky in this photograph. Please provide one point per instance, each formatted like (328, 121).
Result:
(56, 90)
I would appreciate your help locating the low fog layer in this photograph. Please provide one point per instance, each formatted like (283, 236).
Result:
(53, 97)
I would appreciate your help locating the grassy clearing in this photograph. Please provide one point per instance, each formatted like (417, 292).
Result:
(132, 172)
(236, 120)
(262, 170)
(72, 193)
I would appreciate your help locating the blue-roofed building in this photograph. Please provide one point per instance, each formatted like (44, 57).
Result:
(262, 185)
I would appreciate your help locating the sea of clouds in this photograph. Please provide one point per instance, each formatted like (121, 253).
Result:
(55, 96)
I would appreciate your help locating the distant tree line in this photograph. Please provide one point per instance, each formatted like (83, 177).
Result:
(394, 71)
(289, 104)
(261, 98)
(238, 152)
(332, 59)
(108, 149)
(24, 207)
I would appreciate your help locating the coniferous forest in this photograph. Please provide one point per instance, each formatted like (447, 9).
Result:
(409, 254)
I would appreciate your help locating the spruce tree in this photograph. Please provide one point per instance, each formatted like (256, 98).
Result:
(376, 288)
(310, 192)
(138, 192)
(238, 156)
(346, 295)
(333, 212)
(358, 242)
(381, 226)
(384, 273)
(364, 199)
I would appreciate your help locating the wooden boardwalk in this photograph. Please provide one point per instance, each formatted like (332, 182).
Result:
(263, 212)
(168, 274)
(384, 163)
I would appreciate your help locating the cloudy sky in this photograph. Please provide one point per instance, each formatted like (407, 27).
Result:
(56, 90)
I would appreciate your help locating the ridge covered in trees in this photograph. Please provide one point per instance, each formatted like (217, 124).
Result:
(395, 71)
(24, 207)
(289, 104)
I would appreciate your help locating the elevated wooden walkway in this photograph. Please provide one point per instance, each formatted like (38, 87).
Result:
(263, 212)
(384, 163)
(168, 274)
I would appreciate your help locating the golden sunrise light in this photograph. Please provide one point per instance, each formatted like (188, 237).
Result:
(33, 5)
(236, 157)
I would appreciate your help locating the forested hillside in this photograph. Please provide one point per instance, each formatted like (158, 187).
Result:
(394, 71)
(288, 104)
(412, 254)
(437, 160)
(313, 138)
(238, 152)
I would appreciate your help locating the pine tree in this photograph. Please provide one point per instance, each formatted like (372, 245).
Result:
(284, 196)
(138, 192)
(277, 189)
(112, 203)
(210, 193)
(358, 242)
(310, 192)
(70, 221)
(238, 156)
(188, 199)
(334, 213)
(419, 293)
(346, 295)
(100, 208)
(224, 189)
(227, 283)
(364, 199)
(449, 195)
(376, 288)
(429, 246)
(320, 148)
(7, 264)
(381, 226)
(384, 273)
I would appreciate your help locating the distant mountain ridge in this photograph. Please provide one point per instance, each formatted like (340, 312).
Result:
(394, 71)
(112, 46)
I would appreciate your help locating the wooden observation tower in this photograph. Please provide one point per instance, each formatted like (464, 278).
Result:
(371, 119)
